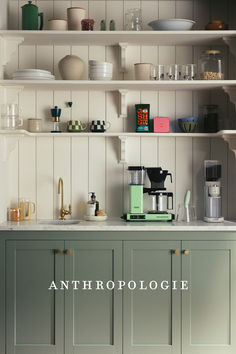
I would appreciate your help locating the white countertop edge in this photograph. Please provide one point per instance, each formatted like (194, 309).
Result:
(119, 225)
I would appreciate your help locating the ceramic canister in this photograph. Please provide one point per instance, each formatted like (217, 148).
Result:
(99, 126)
(142, 71)
(57, 24)
(75, 16)
(34, 125)
(71, 67)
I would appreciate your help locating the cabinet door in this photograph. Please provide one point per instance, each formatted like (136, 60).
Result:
(34, 314)
(151, 317)
(93, 317)
(209, 307)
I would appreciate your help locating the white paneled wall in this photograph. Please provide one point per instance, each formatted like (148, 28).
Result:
(91, 164)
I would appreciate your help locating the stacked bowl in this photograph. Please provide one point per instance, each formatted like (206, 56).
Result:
(100, 70)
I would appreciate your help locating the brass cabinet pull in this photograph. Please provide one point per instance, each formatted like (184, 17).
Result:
(175, 252)
(59, 251)
(186, 252)
(68, 252)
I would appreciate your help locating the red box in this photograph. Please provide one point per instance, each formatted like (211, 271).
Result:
(161, 125)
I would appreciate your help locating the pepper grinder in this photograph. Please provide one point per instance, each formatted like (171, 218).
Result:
(56, 114)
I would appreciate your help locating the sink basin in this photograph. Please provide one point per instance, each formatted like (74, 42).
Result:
(59, 222)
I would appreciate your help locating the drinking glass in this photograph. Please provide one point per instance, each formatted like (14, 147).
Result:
(173, 72)
(189, 72)
(133, 20)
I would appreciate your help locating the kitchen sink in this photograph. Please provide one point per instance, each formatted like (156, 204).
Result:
(59, 222)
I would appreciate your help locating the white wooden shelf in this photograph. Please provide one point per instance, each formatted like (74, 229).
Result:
(115, 37)
(116, 85)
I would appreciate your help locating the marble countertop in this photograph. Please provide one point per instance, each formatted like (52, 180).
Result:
(117, 225)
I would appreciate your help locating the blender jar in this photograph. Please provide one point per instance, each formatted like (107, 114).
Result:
(136, 175)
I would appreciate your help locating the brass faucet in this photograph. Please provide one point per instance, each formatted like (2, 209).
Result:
(63, 211)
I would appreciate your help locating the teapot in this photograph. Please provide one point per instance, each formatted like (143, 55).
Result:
(30, 16)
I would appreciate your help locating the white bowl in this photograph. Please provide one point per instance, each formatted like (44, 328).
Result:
(100, 75)
(97, 62)
(108, 78)
(100, 71)
(173, 24)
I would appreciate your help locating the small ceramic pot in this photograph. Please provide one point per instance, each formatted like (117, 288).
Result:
(75, 126)
(57, 24)
(71, 67)
(142, 71)
(75, 16)
(99, 126)
(34, 125)
(216, 25)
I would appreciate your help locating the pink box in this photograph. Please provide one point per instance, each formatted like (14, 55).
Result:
(161, 125)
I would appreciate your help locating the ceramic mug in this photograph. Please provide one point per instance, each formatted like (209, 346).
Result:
(75, 126)
(57, 24)
(75, 16)
(99, 126)
(34, 125)
(142, 71)
(28, 208)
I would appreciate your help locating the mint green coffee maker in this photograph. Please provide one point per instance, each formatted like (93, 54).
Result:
(30, 15)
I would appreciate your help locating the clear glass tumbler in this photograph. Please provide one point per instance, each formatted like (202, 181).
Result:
(189, 72)
(173, 72)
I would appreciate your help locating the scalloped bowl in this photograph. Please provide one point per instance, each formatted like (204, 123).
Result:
(172, 24)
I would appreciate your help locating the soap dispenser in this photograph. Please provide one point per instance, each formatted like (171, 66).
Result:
(92, 205)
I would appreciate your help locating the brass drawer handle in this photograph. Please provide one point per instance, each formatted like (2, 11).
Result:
(186, 252)
(175, 251)
(58, 251)
(68, 252)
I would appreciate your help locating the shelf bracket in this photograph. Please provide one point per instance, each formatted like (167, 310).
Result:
(122, 104)
(8, 46)
(123, 47)
(231, 92)
(231, 140)
(123, 143)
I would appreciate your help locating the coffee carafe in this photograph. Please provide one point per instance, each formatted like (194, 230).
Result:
(30, 15)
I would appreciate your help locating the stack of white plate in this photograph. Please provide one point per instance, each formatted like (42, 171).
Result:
(32, 74)
(100, 70)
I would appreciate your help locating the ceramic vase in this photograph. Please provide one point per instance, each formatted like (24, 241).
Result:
(71, 67)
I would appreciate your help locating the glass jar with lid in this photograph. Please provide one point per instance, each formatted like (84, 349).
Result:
(211, 65)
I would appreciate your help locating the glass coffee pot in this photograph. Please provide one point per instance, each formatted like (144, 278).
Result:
(10, 119)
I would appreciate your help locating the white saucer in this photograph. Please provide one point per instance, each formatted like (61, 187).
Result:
(95, 218)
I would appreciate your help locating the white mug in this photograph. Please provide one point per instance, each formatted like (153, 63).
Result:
(75, 16)
(142, 71)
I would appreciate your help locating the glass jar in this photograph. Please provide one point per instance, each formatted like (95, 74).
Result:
(133, 20)
(211, 118)
(15, 214)
(211, 65)
(87, 24)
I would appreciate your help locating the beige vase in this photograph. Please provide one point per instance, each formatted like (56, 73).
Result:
(75, 15)
(71, 67)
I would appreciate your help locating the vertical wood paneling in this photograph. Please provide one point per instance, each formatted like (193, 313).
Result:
(82, 53)
(27, 103)
(79, 176)
(114, 11)
(97, 174)
(80, 106)
(184, 9)
(112, 102)
(44, 101)
(27, 169)
(44, 178)
(150, 12)
(97, 10)
(231, 185)
(166, 9)
(60, 9)
(130, 122)
(133, 56)
(44, 57)
(13, 15)
(62, 168)
(13, 174)
(27, 56)
(201, 13)
(47, 8)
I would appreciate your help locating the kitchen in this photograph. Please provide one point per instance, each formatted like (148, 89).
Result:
(32, 164)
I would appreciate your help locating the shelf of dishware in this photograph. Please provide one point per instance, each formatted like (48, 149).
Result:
(193, 37)
(116, 85)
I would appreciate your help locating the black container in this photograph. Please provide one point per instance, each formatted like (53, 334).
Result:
(211, 119)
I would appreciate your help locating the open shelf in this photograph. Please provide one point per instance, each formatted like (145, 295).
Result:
(115, 37)
(114, 85)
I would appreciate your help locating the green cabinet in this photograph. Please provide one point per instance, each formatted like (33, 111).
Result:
(209, 307)
(34, 315)
(152, 317)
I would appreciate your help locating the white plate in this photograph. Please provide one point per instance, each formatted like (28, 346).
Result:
(172, 24)
(33, 71)
(95, 218)
(33, 78)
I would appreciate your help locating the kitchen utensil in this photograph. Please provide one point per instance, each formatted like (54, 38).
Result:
(211, 118)
(75, 126)
(189, 72)
(99, 126)
(216, 25)
(58, 24)
(71, 67)
(186, 204)
(188, 125)
(173, 72)
(133, 20)
(161, 125)
(14, 214)
(28, 208)
(181, 215)
(35, 125)
(211, 65)
(162, 201)
(173, 24)
(212, 191)
(75, 15)
(142, 71)
(142, 117)
(87, 24)
(30, 17)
